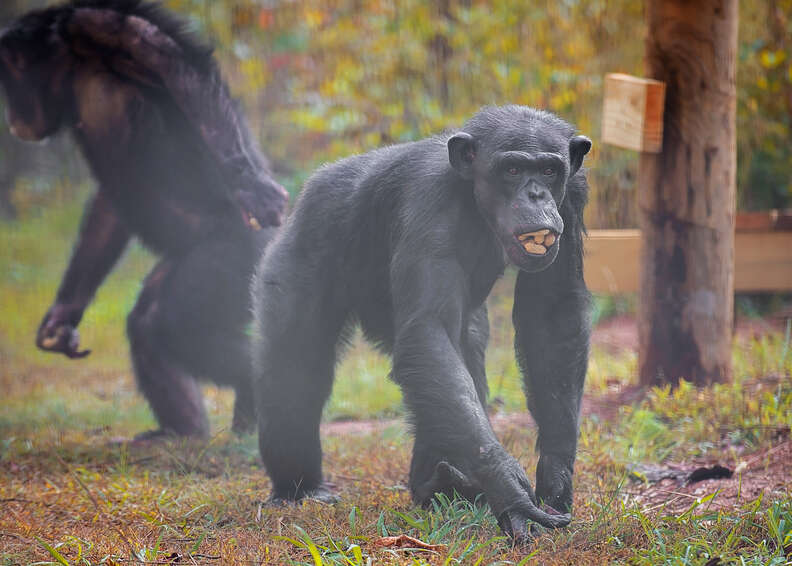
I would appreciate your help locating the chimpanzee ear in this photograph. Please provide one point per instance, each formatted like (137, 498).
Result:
(461, 153)
(579, 146)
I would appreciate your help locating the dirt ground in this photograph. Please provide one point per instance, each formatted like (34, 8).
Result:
(768, 471)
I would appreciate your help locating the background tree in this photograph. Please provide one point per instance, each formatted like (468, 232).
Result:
(688, 193)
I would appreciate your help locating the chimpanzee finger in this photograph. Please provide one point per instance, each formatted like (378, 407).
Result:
(53, 338)
(447, 474)
(525, 510)
(76, 355)
(515, 526)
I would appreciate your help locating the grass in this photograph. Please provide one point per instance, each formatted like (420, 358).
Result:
(69, 494)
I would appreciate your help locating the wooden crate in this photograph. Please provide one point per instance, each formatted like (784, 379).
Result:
(632, 114)
(762, 260)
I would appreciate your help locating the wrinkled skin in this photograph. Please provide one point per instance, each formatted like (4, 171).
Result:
(175, 167)
(407, 241)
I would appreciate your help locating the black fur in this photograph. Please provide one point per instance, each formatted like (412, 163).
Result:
(176, 167)
(407, 241)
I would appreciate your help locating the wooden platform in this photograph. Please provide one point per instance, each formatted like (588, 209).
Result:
(763, 261)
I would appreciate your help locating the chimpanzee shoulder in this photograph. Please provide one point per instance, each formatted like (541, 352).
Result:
(195, 50)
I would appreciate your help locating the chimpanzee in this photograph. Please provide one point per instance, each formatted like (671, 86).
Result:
(176, 167)
(407, 241)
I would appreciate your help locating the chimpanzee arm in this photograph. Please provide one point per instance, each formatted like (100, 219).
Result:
(137, 49)
(552, 326)
(103, 236)
(431, 311)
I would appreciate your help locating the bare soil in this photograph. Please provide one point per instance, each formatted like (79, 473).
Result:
(766, 471)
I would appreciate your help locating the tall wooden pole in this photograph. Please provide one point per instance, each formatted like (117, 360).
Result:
(687, 195)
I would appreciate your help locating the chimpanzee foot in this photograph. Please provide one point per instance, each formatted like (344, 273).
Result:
(161, 435)
(323, 494)
(448, 480)
(243, 423)
(244, 420)
(554, 482)
(143, 439)
(153, 436)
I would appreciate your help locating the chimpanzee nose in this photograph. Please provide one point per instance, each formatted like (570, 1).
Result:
(537, 192)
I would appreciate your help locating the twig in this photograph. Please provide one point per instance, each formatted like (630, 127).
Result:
(676, 493)
(659, 505)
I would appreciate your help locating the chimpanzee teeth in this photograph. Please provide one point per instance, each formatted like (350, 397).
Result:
(549, 240)
(534, 248)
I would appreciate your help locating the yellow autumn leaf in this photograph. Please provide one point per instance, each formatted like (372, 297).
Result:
(255, 72)
(313, 18)
(772, 59)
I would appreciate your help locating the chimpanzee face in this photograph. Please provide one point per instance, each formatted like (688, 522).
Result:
(32, 72)
(519, 182)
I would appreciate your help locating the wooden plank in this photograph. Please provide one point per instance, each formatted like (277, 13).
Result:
(632, 112)
(611, 261)
(763, 261)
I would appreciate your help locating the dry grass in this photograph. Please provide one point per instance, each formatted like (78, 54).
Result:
(71, 494)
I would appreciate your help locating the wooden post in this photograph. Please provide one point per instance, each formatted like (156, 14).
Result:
(687, 195)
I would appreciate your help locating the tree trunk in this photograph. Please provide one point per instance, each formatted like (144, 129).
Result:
(687, 195)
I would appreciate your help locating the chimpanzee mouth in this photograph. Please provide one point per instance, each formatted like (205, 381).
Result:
(537, 242)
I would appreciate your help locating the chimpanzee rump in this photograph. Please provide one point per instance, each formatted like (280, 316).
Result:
(176, 166)
(407, 241)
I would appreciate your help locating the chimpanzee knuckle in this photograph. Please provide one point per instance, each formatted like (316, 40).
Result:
(519, 528)
(47, 342)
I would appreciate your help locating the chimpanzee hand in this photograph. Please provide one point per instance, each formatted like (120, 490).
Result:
(58, 333)
(554, 482)
(511, 497)
(260, 210)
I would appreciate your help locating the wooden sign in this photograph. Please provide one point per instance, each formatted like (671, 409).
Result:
(632, 114)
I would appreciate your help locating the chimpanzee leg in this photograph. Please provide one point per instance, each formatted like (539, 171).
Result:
(173, 395)
(294, 358)
(425, 475)
(196, 329)
(475, 348)
(244, 419)
(552, 341)
(207, 318)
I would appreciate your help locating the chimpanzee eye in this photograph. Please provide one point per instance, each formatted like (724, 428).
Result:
(512, 170)
(548, 172)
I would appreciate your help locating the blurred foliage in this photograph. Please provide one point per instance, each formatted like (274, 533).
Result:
(326, 79)
(764, 111)
(323, 79)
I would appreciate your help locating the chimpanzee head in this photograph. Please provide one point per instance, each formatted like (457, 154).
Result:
(33, 68)
(520, 161)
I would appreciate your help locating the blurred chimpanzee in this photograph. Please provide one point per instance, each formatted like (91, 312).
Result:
(176, 166)
(407, 241)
